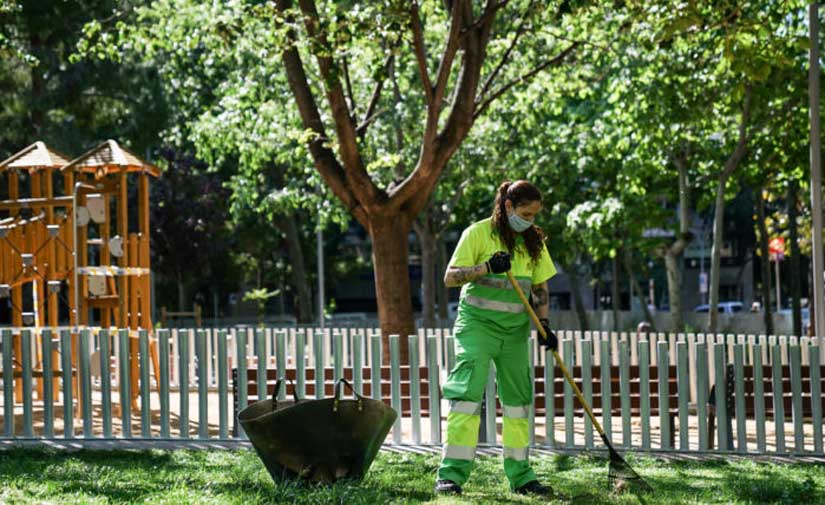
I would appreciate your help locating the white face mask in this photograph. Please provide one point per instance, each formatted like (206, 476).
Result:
(518, 223)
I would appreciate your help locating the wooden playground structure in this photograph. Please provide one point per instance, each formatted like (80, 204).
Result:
(68, 254)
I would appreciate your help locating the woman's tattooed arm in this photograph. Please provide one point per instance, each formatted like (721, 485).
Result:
(541, 300)
(458, 276)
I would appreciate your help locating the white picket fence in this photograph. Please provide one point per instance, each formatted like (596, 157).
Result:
(765, 396)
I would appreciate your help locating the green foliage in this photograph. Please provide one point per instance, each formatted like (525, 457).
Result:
(652, 82)
(260, 296)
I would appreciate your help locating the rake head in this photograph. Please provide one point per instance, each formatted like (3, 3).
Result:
(621, 477)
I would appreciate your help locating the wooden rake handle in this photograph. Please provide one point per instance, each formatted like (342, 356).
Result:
(559, 361)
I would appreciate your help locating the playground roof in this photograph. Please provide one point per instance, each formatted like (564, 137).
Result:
(110, 158)
(34, 157)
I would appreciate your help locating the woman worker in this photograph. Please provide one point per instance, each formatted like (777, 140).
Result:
(492, 324)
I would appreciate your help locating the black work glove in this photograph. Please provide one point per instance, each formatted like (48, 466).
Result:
(498, 263)
(551, 342)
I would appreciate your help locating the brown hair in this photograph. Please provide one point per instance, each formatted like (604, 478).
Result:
(520, 193)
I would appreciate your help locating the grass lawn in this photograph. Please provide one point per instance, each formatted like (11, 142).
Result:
(195, 476)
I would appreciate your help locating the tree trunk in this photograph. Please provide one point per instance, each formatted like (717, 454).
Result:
(795, 266)
(764, 261)
(628, 265)
(442, 293)
(614, 285)
(303, 298)
(181, 289)
(674, 291)
(719, 212)
(716, 254)
(673, 254)
(578, 304)
(390, 243)
(427, 241)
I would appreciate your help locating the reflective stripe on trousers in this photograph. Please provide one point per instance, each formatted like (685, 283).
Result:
(458, 452)
(516, 432)
(465, 407)
(518, 454)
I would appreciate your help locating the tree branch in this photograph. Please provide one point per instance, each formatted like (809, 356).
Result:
(742, 144)
(325, 161)
(489, 13)
(376, 92)
(420, 52)
(506, 56)
(359, 180)
(446, 64)
(361, 130)
(352, 105)
(557, 60)
(371, 115)
(437, 148)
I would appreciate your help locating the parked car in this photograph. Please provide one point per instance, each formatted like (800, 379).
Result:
(722, 308)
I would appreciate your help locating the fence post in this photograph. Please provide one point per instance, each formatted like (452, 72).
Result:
(549, 398)
(739, 391)
(395, 387)
(644, 391)
(778, 400)
(759, 397)
(48, 391)
(663, 363)
(183, 369)
(143, 362)
(433, 389)
(242, 377)
(8, 385)
(105, 379)
(163, 362)
(816, 395)
(222, 386)
(683, 374)
(624, 392)
(203, 383)
(375, 371)
(415, 396)
(300, 364)
(66, 363)
(260, 348)
(607, 400)
(318, 353)
(357, 361)
(280, 360)
(796, 398)
(337, 356)
(702, 393)
(567, 356)
(587, 388)
(721, 394)
(26, 359)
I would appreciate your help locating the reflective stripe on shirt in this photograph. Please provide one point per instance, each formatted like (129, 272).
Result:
(484, 303)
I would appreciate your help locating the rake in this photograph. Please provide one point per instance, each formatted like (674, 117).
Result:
(620, 475)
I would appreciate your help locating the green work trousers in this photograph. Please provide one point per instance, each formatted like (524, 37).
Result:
(477, 344)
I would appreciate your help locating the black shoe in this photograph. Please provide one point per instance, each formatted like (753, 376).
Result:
(447, 487)
(536, 488)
